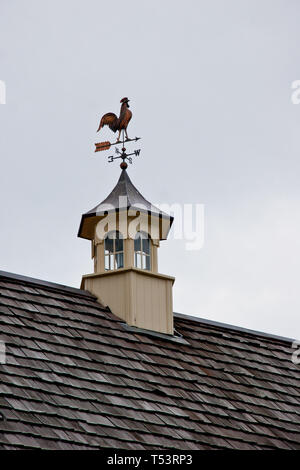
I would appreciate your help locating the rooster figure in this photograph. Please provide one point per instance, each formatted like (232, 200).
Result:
(117, 123)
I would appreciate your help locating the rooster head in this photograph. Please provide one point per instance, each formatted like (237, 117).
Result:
(125, 100)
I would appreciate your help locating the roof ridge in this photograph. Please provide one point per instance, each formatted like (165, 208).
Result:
(228, 326)
(124, 177)
(43, 283)
(85, 293)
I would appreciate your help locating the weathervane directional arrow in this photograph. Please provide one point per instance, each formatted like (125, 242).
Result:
(106, 145)
(101, 146)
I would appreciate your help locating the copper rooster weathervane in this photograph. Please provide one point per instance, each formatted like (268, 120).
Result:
(118, 124)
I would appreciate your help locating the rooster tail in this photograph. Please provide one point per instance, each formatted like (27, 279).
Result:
(110, 120)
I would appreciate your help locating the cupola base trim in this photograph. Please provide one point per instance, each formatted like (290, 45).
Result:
(141, 298)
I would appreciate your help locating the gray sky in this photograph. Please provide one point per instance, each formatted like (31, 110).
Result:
(210, 86)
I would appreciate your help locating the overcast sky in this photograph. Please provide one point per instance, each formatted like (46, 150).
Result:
(210, 89)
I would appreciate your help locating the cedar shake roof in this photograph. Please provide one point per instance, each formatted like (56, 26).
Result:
(75, 378)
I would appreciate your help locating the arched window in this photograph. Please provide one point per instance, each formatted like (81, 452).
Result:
(113, 251)
(142, 251)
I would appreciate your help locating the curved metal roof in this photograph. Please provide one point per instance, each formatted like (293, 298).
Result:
(124, 196)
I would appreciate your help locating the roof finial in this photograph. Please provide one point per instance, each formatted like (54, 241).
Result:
(118, 124)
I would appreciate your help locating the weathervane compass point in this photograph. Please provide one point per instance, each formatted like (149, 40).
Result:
(118, 124)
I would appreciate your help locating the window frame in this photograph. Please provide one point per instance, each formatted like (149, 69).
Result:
(142, 256)
(112, 256)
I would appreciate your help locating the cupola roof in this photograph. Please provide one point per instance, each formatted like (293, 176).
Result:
(124, 196)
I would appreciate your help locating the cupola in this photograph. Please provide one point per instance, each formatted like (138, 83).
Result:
(125, 231)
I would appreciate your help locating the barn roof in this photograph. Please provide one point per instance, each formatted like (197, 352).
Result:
(76, 378)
